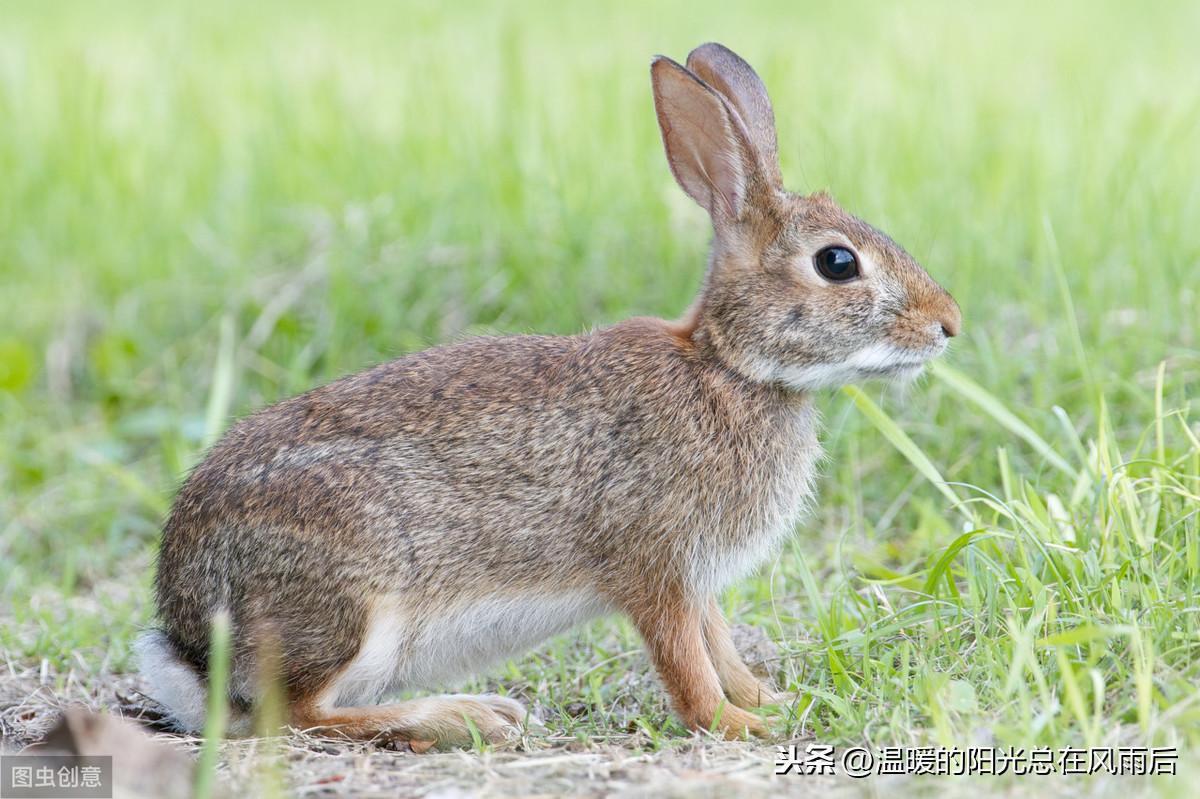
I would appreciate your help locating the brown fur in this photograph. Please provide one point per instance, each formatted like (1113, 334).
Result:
(416, 721)
(737, 681)
(641, 467)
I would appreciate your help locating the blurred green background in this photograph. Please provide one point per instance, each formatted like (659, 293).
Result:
(206, 207)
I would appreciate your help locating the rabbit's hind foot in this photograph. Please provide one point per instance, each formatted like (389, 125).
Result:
(445, 721)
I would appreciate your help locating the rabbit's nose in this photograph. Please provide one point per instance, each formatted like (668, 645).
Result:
(950, 317)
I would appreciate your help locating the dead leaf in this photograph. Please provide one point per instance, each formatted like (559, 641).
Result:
(142, 767)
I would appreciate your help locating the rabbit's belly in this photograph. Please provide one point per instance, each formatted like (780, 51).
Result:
(433, 649)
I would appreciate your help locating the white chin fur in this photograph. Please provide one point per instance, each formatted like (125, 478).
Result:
(875, 360)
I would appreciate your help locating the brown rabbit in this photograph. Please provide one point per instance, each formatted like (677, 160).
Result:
(409, 525)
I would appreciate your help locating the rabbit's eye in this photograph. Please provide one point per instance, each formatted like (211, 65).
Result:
(837, 264)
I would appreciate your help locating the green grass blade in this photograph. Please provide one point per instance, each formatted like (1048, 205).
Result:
(220, 395)
(1068, 304)
(904, 445)
(993, 407)
(943, 563)
(217, 719)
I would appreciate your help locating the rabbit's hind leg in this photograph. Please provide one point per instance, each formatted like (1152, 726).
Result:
(440, 720)
(738, 682)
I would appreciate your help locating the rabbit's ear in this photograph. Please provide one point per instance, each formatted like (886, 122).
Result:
(707, 144)
(725, 71)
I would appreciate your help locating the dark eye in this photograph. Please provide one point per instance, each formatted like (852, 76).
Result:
(837, 264)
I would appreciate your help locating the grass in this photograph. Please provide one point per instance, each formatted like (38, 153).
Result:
(206, 209)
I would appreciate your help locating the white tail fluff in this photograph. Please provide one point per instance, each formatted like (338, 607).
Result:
(171, 682)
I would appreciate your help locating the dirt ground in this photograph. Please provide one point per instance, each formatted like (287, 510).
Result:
(32, 702)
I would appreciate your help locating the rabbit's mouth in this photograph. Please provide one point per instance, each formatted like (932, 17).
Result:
(895, 369)
(891, 360)
(875, 361)
(903, 372)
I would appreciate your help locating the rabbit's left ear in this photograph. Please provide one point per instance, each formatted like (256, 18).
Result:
(729, 74)
(708, 146)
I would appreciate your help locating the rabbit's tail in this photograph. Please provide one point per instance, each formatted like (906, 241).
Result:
(175, 684)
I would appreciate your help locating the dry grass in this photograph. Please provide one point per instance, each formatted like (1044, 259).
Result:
(547, 763)
(304, 765)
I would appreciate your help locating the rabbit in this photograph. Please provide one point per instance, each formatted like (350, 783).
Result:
(408, 526)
